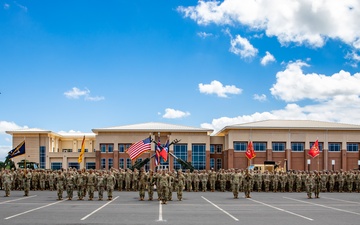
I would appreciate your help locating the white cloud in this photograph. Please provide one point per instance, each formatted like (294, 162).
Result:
(174, 114)
(24, 8)
(76, 93)
(204, 35)
(300, 21)
(6, 6)
(241, 46)
(5, 141)
(293, 85)
(6, 126)
(216, 87)
(268, 58)
(260, 98)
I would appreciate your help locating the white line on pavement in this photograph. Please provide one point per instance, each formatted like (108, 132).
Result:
(85, 217)
(236, 219)
(340, 200)
(324, 206)
(31, 210)
(160, 213)
(17, 199)
(283, 210)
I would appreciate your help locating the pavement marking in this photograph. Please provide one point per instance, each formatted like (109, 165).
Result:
(341, 200)
(87, 216)
(324, 206)
(236, 219)
(160, 213)
(31, 210)
(18, 199)
(283, 210)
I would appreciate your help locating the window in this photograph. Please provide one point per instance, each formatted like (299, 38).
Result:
(74, 165)
(240, 146)
(42, 157)
(107, 147)
(218, 164)
(66, 150)
(212, 163)
(352, 147)
(123, 147)
(334, 147)
(56, 165)
(212, 149)
(128, 163)
(297, 146)
(86, 150)
(180, 150)
(199, 156)
(259, 146)
(321, 144)
(90, 165)
(103, 164)
(278, 146)
(121, 163)
(111, 163)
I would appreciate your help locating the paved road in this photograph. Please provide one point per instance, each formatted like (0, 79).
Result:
(196, 208)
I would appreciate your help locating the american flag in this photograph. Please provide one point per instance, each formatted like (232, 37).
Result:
(139, 147)
(157, 153)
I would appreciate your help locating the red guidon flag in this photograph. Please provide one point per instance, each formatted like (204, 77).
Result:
(314, 151)
(250, 154)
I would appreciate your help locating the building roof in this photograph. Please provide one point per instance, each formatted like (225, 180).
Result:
(291, 124)
(28, 130)
(152, 127)
(60, 134)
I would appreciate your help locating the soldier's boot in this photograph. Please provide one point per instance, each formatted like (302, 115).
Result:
(150, 199)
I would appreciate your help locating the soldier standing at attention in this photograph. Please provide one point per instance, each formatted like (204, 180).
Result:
(7, 181)
(27, 182)
(188, 178)
(150, 184)
(203, 179)
(317, 184)
(70, 182)
(110, 184)
(100, 182)
(80, 182)
(266, 178)
(171, 183)
(212, 179)
(236, 180)
(128, 176)
(222, 179)
(309, 183)
(196, 180)
(60, 181)
(180, 183)
(332, 178)
(164, 183)
(91, 181)
(135, 178)
(247, 181)
(142, 178)
(42, 179)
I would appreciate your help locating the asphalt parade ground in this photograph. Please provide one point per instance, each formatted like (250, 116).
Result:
(41, 207)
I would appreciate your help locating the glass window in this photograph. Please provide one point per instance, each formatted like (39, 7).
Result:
(180, 150)
(278, 146)
(321, 144)
(110, 148)
(334, 147)
(90, 165)
(86, 150)
(259, 146)
(219, 149)
(103, 164)
(212, 163)
(74, 165)
(42, 157)
(352, 147)
(121, 148)
(128, 163)
(103, 147)
(66, 150)
(218, 164)
(111, 163)
(56, 165)
(212, 149)
(297, 146)
(121, 163)
(240, 146)
(199, 156)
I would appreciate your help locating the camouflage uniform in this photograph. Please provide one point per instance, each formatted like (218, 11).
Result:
(180, 183)
(135, 178)
(324, 180)
(42, 179)
(151, 179)
(212, 180)
(236, 180)
(70, 183)
(80, 181)
(341, 181)
(90, 183)
(128, 176)
(275, 182)
(349, 181)
(196, 180)
(7, 181)
(60, 182)
(332, 178)
(309, 183)
(266, 178)
(247, 182)
(317, 184)
(26, 181)
(204, 180)
(142, 179)
(110, 184)
(164, 183)
(222, 180)
(100, 182)
(188, 180)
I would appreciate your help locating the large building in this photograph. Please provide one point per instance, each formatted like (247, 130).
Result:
(273, 140)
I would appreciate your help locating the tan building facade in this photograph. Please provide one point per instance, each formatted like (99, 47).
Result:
(273, 140)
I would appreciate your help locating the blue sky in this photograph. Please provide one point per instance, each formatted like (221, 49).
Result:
(79, 65)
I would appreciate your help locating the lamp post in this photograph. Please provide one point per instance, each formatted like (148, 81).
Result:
(308, 163)
(333, 164)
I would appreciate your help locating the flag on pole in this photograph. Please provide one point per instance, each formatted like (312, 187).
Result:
(157, 153)
(135, 150)
(165, 150)
(19, 150)
(250, 154)
(314, 151)
(82, 150)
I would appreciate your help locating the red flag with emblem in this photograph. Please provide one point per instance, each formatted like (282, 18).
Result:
(314, 151)
(250, 154)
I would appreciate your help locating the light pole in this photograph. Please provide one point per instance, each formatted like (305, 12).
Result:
(333, 164)
(308, 163)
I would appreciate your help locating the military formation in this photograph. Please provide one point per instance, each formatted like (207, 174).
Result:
(87, 182)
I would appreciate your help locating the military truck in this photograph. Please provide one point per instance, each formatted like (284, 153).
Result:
(270, 166)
